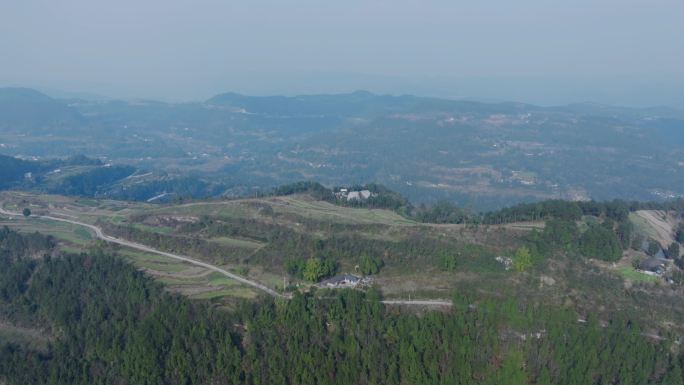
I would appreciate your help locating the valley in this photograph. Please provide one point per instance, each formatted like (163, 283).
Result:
(481, 155)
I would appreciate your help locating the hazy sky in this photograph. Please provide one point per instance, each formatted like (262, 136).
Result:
(552, 51)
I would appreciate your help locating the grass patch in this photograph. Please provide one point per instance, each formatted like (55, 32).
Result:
(238, 243)
(87, 202)
(71, 249)
(630, 273)
(68, 232)
(83, 233)
(217, 279)
(32, 338)
(181, 281)
(154, 261)
(162, 266)
(326, 211)
(153, 229)
(238, 291)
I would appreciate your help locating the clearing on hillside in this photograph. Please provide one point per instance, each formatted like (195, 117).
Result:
(657, 224)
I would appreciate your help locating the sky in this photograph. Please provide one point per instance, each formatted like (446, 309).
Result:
(628, 52)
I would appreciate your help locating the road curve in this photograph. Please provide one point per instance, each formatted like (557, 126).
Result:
(99, 234)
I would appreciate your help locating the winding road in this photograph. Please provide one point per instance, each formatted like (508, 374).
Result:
(138, 246)
(99, 234)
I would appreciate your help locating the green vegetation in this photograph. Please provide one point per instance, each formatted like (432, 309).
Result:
(82, 176)
(630, 273)
(447, 261)
(679, 235)
(522, 260)
(442, 212)
(603, 237)
(119, 327)
(369, 265)
(600, 243)
(561, 233)
(315, 269)
(107, 323)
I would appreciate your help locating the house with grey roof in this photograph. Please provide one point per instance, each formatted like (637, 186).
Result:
(653, 265)
(341, 280)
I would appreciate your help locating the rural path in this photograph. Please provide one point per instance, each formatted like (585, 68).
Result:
(101, 235)
(98, 232)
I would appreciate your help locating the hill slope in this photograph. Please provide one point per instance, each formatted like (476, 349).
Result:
(29, 110)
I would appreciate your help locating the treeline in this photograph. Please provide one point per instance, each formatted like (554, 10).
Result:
(605, 241)
(292, 249)
(448, 212)
(12, 170)
(188, 245)
(15, 245)
(314, 189)
(617, 210)
(442, 212)
(559, 209)
(94, 179)
(18, 254)
(608, 229)
(118, 327)
(91, 182)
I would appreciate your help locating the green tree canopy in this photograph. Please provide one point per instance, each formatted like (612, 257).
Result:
(522, 260)
(672, 251)
(313, 270)
(369, 265)
(600, 243)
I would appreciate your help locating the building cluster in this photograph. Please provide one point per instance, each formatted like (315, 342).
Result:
(507, 262)
(346, 194)
(654, 266)
(344, 281)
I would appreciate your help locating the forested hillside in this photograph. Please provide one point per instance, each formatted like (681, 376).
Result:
(113, 325)
(88, 177)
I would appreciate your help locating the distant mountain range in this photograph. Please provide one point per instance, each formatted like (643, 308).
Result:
(481, 154)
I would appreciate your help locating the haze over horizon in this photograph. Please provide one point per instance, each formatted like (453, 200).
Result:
(546, 53)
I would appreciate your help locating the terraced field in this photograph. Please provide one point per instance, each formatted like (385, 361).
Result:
(259, 238)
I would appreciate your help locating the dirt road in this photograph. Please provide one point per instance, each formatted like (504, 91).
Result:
(99, 234)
